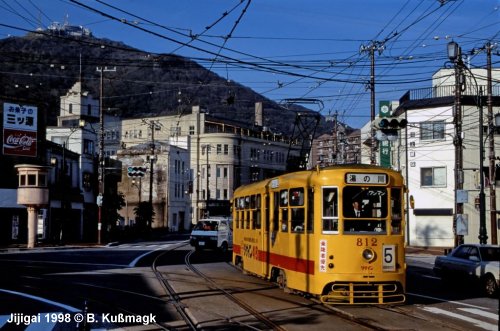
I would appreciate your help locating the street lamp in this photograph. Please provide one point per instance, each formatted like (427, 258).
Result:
(453, 51)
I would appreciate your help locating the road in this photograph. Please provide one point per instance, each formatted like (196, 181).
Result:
(47, 288)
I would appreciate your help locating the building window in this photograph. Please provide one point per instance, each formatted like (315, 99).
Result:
(70, 110)
(219, 149)
(191, 130)
(88, 146)
(226, 149)
(432, 130)
(434, 176)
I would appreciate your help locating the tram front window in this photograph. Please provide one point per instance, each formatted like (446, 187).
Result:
(365, 209)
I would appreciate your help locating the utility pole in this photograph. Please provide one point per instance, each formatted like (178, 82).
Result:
(100, 198)
(483, 237)
(152, 126)
(379, 46)
(491, 137)
(455, 55)
(207, 150)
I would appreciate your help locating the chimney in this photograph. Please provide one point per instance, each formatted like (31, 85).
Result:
(258, 113)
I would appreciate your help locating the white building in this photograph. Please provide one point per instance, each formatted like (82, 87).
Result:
(425, 154)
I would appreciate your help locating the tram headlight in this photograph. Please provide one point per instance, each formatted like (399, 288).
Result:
(368, 254)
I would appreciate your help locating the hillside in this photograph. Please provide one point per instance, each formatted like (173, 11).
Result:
(41, 67)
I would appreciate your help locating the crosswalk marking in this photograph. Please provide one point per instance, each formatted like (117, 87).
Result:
(478, 323)
(480, 312)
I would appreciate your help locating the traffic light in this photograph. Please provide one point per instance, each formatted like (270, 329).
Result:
(388, 127)
(136, 171)
(391, 123)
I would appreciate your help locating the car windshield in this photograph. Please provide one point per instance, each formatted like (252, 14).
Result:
(490, 253)
(206, 225)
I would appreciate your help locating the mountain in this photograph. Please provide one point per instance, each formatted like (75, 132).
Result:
(41, 66)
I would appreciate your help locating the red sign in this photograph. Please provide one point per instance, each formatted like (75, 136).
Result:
(17, 142)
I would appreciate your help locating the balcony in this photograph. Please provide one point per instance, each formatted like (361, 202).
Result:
(445, 91)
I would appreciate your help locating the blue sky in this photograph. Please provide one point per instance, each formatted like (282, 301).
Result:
(288, 49)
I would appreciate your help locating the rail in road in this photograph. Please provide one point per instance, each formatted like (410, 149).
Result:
(204, 291)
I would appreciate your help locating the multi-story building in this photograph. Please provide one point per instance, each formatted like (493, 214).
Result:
(342, 146)
(426, 154)
(163, 180)
(223, 154)
(77, 133)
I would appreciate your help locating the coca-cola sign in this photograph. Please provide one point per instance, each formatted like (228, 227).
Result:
(19, 129)
(19, 142)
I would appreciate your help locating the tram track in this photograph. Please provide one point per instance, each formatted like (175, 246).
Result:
(222, 322)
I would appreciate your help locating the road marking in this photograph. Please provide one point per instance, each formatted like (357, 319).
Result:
(443, 300)
(37, 298)
(480, 312)
(137, 259)
(480, 324)
(35, 326)
(68, 263)
(3, 320)
(431, 277)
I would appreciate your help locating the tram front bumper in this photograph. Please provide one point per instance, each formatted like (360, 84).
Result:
(364, 293)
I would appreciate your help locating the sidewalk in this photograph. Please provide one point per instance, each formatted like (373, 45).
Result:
(41, 247)
(426, 250)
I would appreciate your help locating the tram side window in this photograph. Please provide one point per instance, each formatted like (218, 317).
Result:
(284, 219)
(276, 211)
(396, 211)
(236, 212)
(297, 212)
(256, 212)
(241, 206)
(284, 210)
(247, 212)
(330, 209)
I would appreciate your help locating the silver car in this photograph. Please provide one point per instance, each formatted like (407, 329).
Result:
(476, 262)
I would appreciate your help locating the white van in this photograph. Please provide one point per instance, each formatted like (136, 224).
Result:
(212, 233)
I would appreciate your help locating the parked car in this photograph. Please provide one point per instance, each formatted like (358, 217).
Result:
(479, 263)
(212, 233)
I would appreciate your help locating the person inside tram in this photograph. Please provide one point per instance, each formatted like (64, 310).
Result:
(357, 210)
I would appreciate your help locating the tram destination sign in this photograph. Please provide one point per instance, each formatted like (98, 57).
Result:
(360, 178)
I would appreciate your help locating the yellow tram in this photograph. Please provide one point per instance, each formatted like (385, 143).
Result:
(335, 233)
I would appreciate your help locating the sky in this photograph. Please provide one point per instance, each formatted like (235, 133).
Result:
(315, 53)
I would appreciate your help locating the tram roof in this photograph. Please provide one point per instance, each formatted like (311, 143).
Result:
(307, 173)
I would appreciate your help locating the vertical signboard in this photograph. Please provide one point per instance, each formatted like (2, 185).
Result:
(385, 146)
(19, 130)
